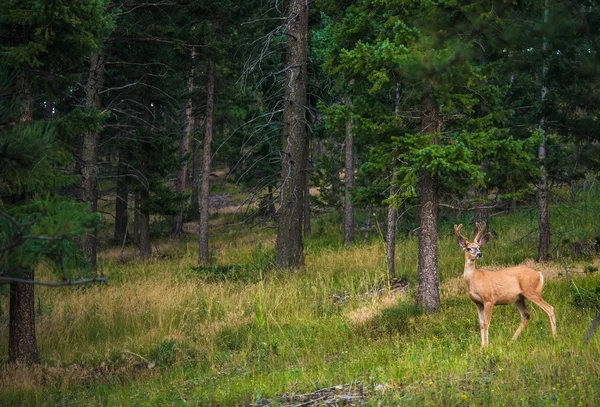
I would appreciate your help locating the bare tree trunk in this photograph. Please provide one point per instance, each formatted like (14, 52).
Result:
(196, 177)
(349, 181)
(144, 227)
(544, 220)
(89, 153)
(136, 220)
(143, 203)
(203, 254)
(22, 342)
(368, 224)
(121, 215)
(289, 247)
(49, 111)
(428, 292)
(390, 246)
(184, 145)
(306, 218)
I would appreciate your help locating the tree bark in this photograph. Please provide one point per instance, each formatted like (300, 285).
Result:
(22, 342)
(544, 218)
(184, 145)
(196, 176)
(390, 246)
(144, 227)
(22, 345)
(368, 224)
(121, 201)
(428, 293)
(306, 218)
(203, 253)
(349, 181)
(289, 247)
(89, 153)
(143, 206)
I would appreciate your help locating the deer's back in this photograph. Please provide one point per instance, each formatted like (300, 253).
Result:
(504, 286)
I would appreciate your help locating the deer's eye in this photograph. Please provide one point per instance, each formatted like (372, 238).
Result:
(469, 249)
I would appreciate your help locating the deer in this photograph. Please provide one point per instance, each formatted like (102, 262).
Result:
(487, 288)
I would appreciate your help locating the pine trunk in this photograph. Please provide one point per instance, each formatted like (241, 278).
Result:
(544, 219)
(136, 220)
(89, 153)
(144, 199)
(390, 246)
(349, 182)
(428, 293)
(368, 224)
(306, 219)
(203, 253)
(289, 247)
(184, 146)
(122, 198)
(144, 226)
(22, 342)
(195, 204)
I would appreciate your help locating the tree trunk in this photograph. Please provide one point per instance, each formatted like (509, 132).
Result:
(144, 227)
(121, 200)
(349, 181)
(89, 153)
(544, 219)
(390, 246)
(144, 197)
(22, 342)
(203, 254)
(49, 110)
(306, 218)
(195, 204)
(136, 220)
(184, 145)
(289, 247)
(428, 293)
(368, 224)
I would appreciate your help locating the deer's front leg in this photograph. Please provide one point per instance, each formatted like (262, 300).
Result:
(487, 316)
(481, 322)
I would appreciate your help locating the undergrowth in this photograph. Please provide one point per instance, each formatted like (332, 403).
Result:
(239, 331)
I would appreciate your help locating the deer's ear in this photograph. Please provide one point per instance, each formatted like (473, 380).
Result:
(462, 243)
(484, 239)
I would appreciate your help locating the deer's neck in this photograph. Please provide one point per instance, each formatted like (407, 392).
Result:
(469, 268)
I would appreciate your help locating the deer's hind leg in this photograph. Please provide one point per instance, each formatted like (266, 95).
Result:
(520, 304)
(549, 309)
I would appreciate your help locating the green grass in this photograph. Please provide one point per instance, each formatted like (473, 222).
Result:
(169, 333)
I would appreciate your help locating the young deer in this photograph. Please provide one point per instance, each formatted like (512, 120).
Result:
(510, 285)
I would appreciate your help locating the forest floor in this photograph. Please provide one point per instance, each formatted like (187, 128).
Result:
(335, 332)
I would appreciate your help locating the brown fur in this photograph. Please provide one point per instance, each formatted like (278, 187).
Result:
(507, 286)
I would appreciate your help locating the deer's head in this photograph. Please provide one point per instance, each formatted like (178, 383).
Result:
(472, 248)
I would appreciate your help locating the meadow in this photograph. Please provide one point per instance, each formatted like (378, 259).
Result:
(239, 332)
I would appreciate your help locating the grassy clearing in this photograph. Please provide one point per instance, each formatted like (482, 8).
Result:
(238, 332)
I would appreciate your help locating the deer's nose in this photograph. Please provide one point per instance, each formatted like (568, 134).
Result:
(479, 255)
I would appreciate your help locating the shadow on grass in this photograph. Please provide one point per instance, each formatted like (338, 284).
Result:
(391, 321)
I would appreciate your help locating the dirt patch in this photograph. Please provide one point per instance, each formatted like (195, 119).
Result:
(381, 298)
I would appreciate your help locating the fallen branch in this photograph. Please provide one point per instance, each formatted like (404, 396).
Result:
(7, 280)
